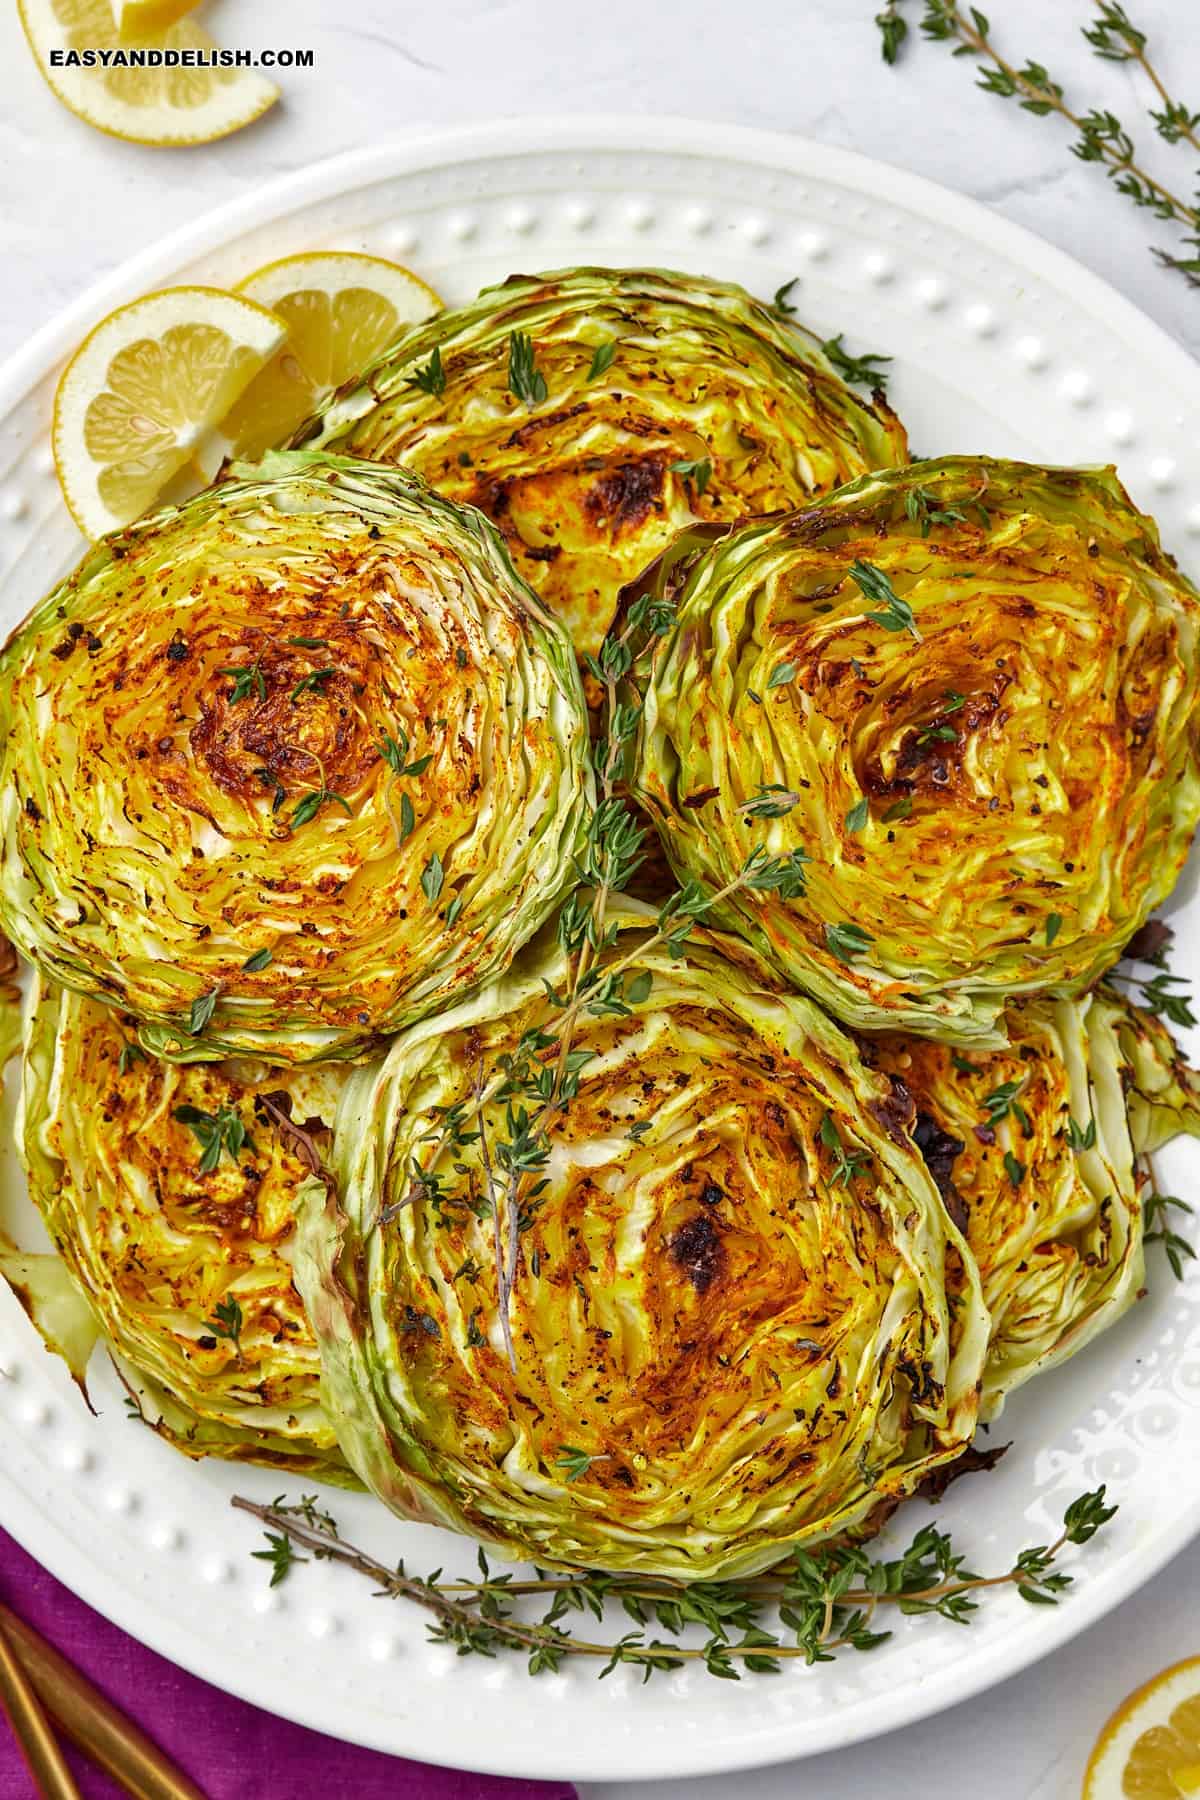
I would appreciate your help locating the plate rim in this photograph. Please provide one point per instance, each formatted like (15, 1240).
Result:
(668, 134)
(793, 155)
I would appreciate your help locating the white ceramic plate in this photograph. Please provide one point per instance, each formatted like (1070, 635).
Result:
(1001, 345)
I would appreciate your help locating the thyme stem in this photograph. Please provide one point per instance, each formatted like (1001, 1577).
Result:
(813, 1592)
(1102, 139)
(1045, 94)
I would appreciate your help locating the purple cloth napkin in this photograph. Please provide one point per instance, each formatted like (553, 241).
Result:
(233, 1751)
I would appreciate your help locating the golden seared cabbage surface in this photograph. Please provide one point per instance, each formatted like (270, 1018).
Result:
(289, 765)
(1033, 1148)
(656, 399)
(178, 1231)
(969, 691)
(729, 1317)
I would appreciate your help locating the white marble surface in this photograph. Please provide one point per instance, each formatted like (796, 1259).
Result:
(74, 204)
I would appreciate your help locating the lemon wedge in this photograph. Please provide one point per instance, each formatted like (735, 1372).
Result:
(147, 105)
(341, 309)
(1150, 1748)
(143, 392)
(137, 19)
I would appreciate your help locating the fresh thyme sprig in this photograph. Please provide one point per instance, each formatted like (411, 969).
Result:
(812, 1605)
(574, 1462)
(215, 1132)
(1101, 138)
(313, 682)
(394, 751)
(848, 1165)
(281, 1556)
(1115, 38)
(248, 679)
(1003, 1100)
(541, 1076)
(310, 804)
(1156, 1221)
(1154, 992)
(772, 801)
(227, 1322)
(893, 29)
(866, 369)
(430, 377)
(846, 940)
(922, 508)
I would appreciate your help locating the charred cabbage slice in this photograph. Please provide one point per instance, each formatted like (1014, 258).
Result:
(968, 689)
(730, 1312)
(1033, 1148)
(289, 765)
(1162, 1091)
(168, 1194)
(593, 413)
(1049, 1208)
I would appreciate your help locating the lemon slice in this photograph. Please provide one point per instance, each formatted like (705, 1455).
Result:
(144, 389)
(341, 310)
(150, 106)
(1150, 1748)
(137, 19)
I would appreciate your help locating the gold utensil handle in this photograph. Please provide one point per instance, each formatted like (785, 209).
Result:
(39, 1746)
(113, 1742)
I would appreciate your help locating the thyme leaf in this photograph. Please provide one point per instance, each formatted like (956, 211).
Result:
(525, 380)
(1081, 1137)
(201, 1011)
(847, 941)
(781, 303)
(602, 359)
(310, 805)
(697, 473)
(280, 1554)
(865, 370)
(432, 878)
(430, 377)
(1158, 1230)
(313, 682)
